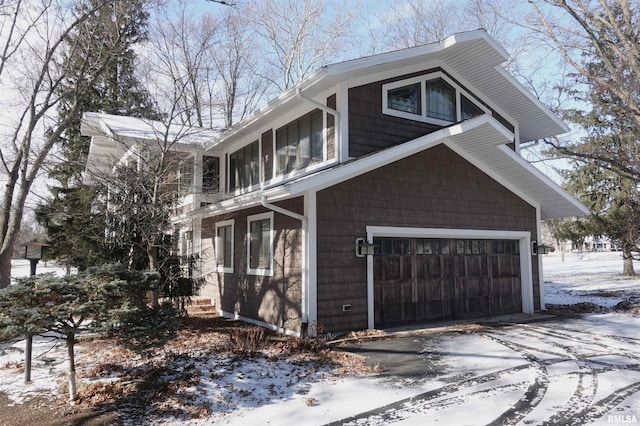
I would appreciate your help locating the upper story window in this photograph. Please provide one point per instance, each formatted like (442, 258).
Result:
(185, 176)
(441, 100)
(210, 173)
(244, 167)
(300, 143)
(432, 98)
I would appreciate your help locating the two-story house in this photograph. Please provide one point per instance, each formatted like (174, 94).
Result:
(376, 192)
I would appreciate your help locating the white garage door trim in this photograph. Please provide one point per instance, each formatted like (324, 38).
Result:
(523, 237)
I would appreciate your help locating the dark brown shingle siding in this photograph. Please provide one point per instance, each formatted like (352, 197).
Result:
(433, 189)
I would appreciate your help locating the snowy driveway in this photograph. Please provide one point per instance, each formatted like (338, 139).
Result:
(565, 371)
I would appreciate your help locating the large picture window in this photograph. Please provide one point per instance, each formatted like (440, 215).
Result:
(300, 143)
(432, 98)
(260, 244)
(224, 246)
(244, 167)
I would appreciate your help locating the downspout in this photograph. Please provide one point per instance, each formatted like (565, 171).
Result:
(337, 125)
(305, 279)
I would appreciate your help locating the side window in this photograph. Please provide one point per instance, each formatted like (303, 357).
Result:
(260, 244)
(406, 99)
(440, 100)
(224, 246)
(468, 109)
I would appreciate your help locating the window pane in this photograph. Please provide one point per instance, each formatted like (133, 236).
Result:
(260, 244)
(405, 99)
(292, 136)
(468, 108)
(300, 143)
(255, 158)
(224, 232)
(244, 167)
(304, 144)
(281, 150)
(210, 170)
(317, 140)
(441, 100)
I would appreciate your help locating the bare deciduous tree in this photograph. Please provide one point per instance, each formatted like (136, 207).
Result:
(33, 38)
(298, 37)
(600, 41)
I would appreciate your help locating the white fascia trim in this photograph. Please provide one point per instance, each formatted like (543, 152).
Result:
(524, 238)
(387, 156)
(545, 179)
(412, 52)
(475, 35)
(453, 233)
(234, 204)
(511, 79)
(273, 327)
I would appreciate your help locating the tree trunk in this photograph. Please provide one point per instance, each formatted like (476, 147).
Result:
(5, 268)
(72, 366)
(627, 268)
(153, 266)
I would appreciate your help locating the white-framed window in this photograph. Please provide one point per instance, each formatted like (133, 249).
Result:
(223, 246)
(300, 143)
(244, 167)
(432, 98)
(260, 244)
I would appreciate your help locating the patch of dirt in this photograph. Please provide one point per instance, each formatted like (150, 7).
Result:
(51, 412)
(576, 308)
(630, 305)
(114, 381)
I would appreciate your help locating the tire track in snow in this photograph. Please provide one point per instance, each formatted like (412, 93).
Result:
(536, 390)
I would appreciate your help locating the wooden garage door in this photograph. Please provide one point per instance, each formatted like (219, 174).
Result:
(418, 280)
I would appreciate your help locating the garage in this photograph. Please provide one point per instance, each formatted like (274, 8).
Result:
(426, 279)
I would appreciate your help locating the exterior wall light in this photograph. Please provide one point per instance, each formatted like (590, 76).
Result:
(363, 248)
(537, 249)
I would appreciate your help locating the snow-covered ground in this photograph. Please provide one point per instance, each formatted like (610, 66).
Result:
(21, 268)
(588, 277)
(576, 371)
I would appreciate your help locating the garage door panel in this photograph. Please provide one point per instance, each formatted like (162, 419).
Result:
(428, 279)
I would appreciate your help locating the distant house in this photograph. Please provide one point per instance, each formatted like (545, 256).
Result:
(380, 191)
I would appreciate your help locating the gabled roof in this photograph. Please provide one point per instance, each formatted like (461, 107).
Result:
(472, 56)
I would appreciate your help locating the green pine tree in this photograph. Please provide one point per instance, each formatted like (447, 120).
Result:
(74, 214)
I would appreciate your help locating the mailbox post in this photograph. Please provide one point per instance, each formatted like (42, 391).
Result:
(32, 252)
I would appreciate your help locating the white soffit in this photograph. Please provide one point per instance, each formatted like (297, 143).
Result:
(517, 174)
